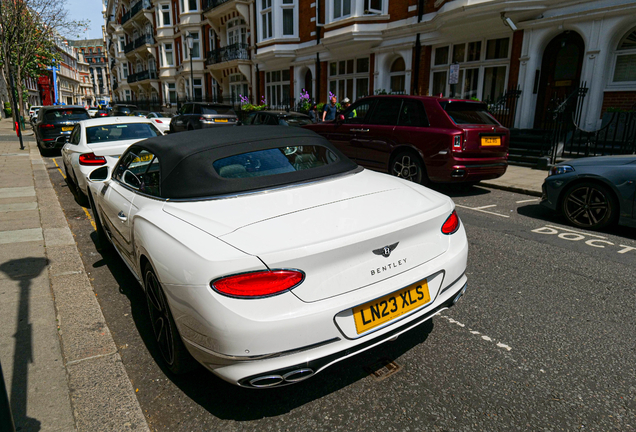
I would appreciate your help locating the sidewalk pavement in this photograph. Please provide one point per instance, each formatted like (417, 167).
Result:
(519, 179)
(61, 366)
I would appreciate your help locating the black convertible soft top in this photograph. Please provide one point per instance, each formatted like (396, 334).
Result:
(186, 159)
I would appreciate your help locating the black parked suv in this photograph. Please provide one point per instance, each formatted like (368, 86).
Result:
(55, 124)
(123, 110)
(277, 118)
(199, 115)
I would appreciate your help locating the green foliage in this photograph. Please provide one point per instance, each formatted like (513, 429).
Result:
(617, 110)
(251, 107)
(380, 92)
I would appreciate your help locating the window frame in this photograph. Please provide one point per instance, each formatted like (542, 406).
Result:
(481, 64)
(616, 53)
(354, 76)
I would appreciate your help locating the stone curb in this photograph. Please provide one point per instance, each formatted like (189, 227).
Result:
(102, 396)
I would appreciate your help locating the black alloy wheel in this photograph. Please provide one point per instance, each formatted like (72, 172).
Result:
(408, 166)
(589, 205)
(173, 351)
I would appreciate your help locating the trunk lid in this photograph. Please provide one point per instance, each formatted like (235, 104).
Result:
(330, 229)
(112, 148)
(340, 245)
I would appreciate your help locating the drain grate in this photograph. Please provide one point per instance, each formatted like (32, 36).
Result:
(383, 369)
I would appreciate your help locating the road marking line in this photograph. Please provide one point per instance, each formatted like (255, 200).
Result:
(483, 211)
(528, 200)
(483, 207)
(476, 333)
(88, 215)
(576, 232)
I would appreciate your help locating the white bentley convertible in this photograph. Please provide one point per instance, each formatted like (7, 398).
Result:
(267, 255)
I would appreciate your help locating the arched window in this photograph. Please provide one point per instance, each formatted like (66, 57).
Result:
(398, 76)
(625, 60)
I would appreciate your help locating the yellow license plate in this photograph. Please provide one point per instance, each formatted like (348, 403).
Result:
(220, 120)
(67, 128)
(490, 141)
(391, 306)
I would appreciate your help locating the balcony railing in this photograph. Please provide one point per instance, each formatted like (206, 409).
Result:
(211, 4)
(237, 51)
(140, 76)
(129, 47)
(140, 5)
(145, 39)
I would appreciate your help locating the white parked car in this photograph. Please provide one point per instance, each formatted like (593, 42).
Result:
(267, 255)
(98, 142)
(33, 112)
(161, 120)
(92, 111)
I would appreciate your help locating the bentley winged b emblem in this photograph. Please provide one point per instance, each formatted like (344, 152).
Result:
(386, 250)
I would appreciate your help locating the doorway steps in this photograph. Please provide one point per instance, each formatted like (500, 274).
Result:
(528, 146)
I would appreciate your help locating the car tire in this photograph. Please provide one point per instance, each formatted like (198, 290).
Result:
(103, 239)
(171, 129)
(71, 181)
(589, 205)
(173, 352)
(409, 166)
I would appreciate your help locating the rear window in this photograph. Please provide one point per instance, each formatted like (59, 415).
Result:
(294, 121)
(468, 113)
(274, 161)
(67, 114)
(120, 132)
(124, 110)
(217, 110)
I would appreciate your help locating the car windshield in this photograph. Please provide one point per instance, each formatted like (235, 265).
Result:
(274, 161)
(468, 113)
(66, 114)
(206, 109)
(294, 121)
(119, 132)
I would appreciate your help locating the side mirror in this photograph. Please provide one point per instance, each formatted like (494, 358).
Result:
(100, 174)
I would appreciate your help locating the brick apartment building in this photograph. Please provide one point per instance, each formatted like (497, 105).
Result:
(352, 48)
(94, 52)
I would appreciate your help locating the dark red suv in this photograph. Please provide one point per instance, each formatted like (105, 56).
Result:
(421, 138)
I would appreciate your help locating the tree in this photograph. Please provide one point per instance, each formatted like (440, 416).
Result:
(28, 29)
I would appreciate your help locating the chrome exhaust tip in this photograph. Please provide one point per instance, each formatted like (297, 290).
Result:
(267, 381)
(298, 375)
(458, 296)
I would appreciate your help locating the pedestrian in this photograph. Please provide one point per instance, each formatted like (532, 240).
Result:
(329, 111)
(313, 115)
(346, 103)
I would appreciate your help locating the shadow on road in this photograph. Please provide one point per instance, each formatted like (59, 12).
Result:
(539, 212)
(459, 190)
(23, 270)
(227, 401)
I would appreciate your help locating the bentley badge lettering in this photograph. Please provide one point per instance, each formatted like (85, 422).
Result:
(386, 250)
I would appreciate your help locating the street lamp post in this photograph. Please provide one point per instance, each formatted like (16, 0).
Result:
(190, 46)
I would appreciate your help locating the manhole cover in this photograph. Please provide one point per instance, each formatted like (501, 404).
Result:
(383, 369)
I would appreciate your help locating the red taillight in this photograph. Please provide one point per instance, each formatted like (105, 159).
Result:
(46, 126)
(91, 159)
(452, 224)
(158, 121)
(258, 284)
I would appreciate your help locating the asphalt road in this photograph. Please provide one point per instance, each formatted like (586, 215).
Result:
(543, 340)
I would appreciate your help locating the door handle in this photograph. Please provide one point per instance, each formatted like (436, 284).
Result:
(121, 215)
(359, 130)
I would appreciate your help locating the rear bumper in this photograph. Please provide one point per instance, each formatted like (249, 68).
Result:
(302, 362)
(459, 171)
(55, 141)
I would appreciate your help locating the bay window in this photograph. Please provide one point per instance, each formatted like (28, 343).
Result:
(266, 19)
(349, 78)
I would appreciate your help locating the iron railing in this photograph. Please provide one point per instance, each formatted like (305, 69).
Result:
(140, 76)
(504, 109)
(236, 51)
(211, 4)
(145, 39)
(129, 47)
(140, 5)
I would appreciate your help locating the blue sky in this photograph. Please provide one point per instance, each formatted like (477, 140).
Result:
(82, 10)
